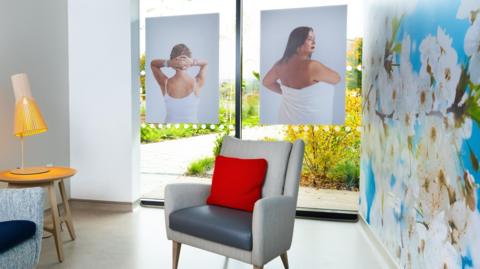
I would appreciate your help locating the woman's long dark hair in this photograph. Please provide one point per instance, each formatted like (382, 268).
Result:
(295, 40)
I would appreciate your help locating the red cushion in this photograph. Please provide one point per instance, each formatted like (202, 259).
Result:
(237, 183)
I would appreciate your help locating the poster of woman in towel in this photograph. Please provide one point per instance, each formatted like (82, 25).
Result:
(304, 83)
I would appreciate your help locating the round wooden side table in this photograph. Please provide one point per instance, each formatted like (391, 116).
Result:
(47, 180)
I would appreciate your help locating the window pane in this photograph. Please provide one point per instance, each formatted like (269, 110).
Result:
(331, 167)
(184, 152)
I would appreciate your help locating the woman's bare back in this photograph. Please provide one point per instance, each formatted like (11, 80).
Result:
(296, 75)
(304, 73)
(180, 87)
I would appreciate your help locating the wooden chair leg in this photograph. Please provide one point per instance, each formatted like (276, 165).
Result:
(284, 260)
(176, 253)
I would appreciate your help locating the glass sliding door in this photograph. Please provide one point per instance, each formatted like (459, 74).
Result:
(330, 177)
(176, 149)
(175, 152)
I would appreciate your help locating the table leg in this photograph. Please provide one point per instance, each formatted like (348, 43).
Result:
(66, 207)
(56, 221)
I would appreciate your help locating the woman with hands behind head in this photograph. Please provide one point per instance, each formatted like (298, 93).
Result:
(181, 91)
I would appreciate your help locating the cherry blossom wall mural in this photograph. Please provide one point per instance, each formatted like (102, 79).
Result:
(421, 136)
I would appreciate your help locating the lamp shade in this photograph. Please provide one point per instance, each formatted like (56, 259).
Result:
(28, 118)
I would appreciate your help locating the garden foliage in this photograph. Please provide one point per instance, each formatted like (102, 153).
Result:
(332, 153)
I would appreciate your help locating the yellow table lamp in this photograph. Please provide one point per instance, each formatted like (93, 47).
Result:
(28, 119)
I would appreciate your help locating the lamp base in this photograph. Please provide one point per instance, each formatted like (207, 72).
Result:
(29, 171)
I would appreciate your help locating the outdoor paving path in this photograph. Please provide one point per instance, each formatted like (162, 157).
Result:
(166, 162)
(171, 157)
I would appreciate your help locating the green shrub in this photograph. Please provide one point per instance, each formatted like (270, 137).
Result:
(218, 142)
(328, 146)
(200, 167)
(250, 109)
(348, 172)
(152, 134)
(149, 134)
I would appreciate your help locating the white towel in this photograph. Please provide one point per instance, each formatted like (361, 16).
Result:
(309, 105)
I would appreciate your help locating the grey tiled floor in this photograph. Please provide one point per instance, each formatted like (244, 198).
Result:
(137, 240)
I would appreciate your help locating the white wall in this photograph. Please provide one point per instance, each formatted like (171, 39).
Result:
(104, 99)
(33, 38)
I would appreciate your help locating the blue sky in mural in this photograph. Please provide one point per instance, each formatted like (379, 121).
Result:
(370, 187)
(467, 261)
(426, 20)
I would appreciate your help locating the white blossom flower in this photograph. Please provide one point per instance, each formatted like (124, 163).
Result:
(439, 64)
(387, 91)
(429, 53)
(467, 9)
(459, 133)
(447, 74)
(407, 95)
(472, 49)
(439, 252)
(459, 218)
(473, 233)
(436, 169)
(425, 95)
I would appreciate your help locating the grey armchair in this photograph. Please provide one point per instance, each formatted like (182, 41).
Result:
(255, 238)
(22, 204)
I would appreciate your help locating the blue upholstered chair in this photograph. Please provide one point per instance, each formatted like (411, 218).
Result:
(22, 204)
(255, 238)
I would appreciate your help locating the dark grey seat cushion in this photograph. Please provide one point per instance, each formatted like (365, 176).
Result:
(218, 224)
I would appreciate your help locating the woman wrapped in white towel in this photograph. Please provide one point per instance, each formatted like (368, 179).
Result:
(306, 85)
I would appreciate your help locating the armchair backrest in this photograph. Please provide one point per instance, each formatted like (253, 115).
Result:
(284, 162)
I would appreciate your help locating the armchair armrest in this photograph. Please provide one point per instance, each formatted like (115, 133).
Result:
(183, 195)
(23, 204)
(272, 228)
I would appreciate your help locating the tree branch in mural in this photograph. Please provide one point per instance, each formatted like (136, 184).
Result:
(392, 47)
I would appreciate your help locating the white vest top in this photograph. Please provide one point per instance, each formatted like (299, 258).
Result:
(181, 110)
